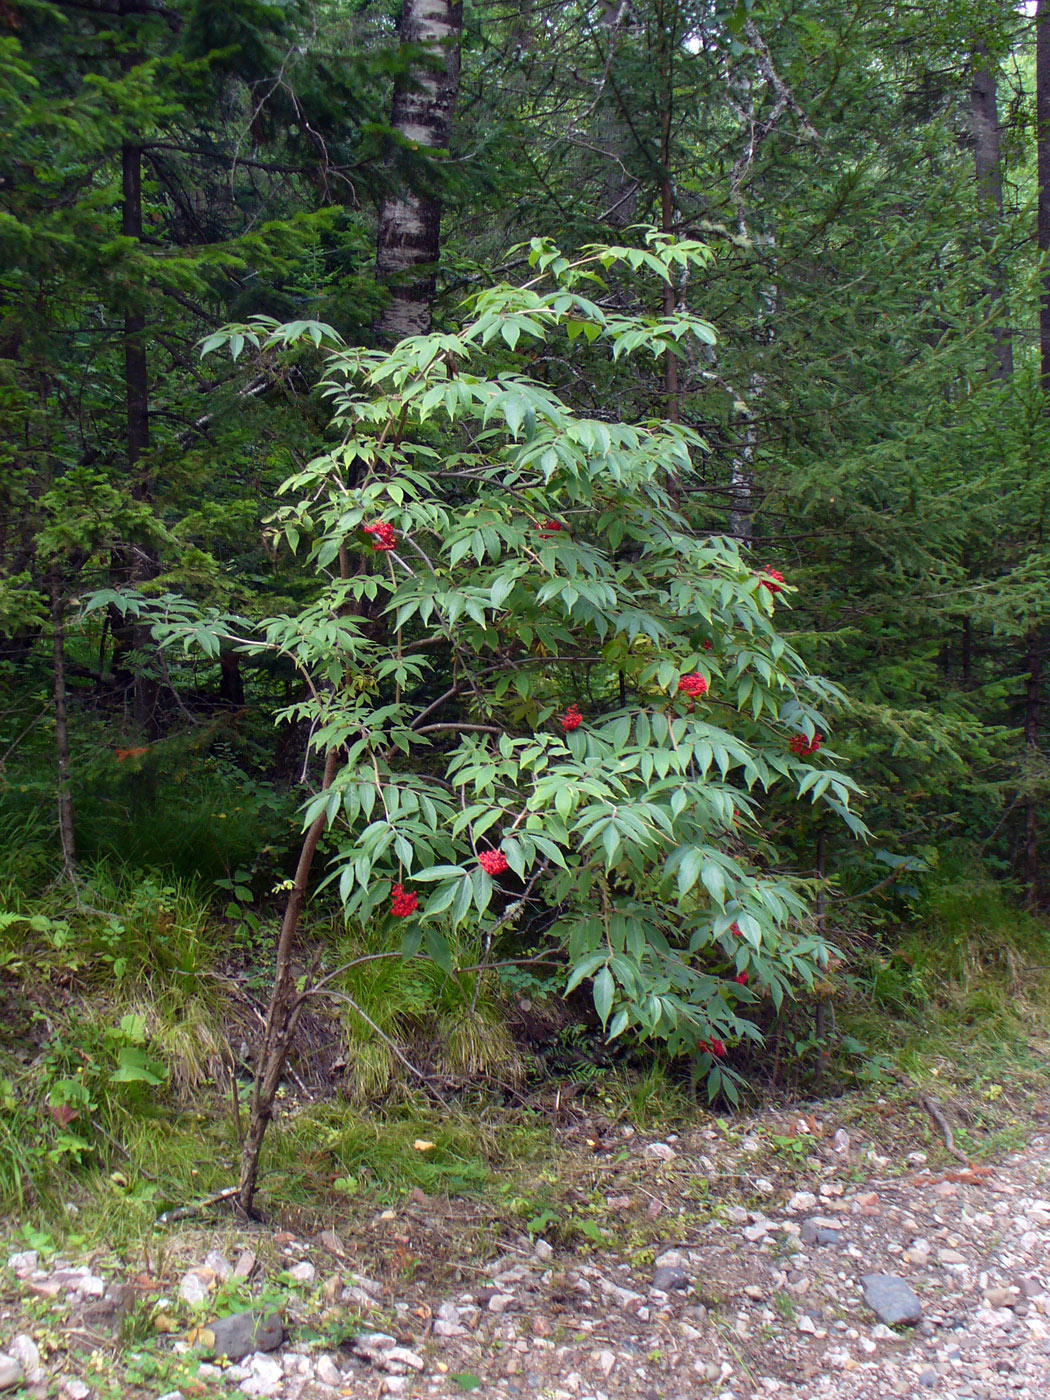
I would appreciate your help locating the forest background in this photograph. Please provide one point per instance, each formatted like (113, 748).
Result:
(662, 622)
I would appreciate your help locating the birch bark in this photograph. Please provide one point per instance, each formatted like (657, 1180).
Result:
(408, 241)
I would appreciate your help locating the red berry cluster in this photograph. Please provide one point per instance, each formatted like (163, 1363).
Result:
(742, 978)
(571, 719)
(492, 862)
(802, 746)
(693, 685)
(549, 529)
(771, 579)
(714, 1047)
(734, 929)
(384, 535)
(403, 902)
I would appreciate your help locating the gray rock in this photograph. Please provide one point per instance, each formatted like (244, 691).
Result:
(891, 1300)
(10, 1372)
(543, 1251)
(812, 1233)
(928, 1378)
(241, 1334)
(669, 1276)
(23, 1263)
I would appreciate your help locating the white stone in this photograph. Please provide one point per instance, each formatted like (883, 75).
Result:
(404, 1357)
(10, 1372)
(192, 1289)
(23, 1263)
(328, 1373)
(27, 1354)
(302, 1273)
(755, 1232)
(660, 1152)
(75, 1390)
(606, 1361)
(801, 1201)
(171, 1395)
(266, 1375)
(543, 1251)
(219, 1265)
(91, 1286)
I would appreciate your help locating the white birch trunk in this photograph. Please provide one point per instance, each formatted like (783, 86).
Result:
(408, 240)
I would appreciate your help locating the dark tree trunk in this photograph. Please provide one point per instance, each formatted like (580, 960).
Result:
(670, 301)
(63, 787)
(136, 372)
(231, 683)
(619, 191)
(1031, 741)
(823, 1008)
(408, 241)
(1042, 135)
(282, 1017)
(984, 109)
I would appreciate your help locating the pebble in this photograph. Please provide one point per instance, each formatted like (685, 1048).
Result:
(218, 1264)
(10, 1372)
(27, 1354)
(193, 1289)
(543, 1251)
(891, 1299)
(266, 1374)
(302, 1273)
(328, 1373)
(801, 1201)
(242, 1334)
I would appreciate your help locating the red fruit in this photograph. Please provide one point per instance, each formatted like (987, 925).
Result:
(742, 978)
(549, 529)
(403, 902)
(707, 646)
(714, 1047)
(492, 862)
(802, 746)
(384, 535)
(571, 719)
(734, 929)
(771, 579)
(693, 685)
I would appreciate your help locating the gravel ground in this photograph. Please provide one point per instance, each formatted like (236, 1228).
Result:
(768, 1292)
